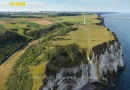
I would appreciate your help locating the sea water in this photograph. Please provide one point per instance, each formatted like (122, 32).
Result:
(121, 27)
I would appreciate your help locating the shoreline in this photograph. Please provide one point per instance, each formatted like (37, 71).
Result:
(110, 83)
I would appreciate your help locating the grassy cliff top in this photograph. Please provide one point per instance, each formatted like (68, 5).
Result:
(87, 35)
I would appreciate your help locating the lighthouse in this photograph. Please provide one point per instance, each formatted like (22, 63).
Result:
(84, 21)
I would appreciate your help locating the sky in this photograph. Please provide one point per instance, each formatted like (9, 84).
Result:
(79, 5)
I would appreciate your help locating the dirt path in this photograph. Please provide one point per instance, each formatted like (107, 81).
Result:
(6, 67)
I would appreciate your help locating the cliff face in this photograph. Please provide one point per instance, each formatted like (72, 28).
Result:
(104, 59)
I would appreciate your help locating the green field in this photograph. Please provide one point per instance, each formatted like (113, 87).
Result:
(88, 36)
(76, 19)
(60, 35)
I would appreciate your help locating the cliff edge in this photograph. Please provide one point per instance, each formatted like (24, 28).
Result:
(84, 59)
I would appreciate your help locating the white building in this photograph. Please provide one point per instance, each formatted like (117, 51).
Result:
(84, 21)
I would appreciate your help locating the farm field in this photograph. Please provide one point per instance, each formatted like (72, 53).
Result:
(17, 24)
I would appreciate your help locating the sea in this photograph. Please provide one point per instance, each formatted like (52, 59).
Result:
(119, 23)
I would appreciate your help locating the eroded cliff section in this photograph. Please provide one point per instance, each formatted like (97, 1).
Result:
(104, 59)
(73, 67)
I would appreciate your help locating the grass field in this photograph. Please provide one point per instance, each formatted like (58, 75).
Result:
(19, 23)
(76, 19)
(38, 75)
(86, 36)
(40, 21)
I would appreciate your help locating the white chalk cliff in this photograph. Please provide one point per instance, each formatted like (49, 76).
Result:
(100, 61)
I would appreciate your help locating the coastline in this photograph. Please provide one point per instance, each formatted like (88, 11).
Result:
(116, 38)
(98, 85)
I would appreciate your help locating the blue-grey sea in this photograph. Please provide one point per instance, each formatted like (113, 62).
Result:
(122, 29)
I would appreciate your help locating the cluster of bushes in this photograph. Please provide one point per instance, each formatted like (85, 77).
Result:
(55, 39)
(4, 15)
(14, 29)
(64, 32)
(38, 33)
(30, 56)
(58, 26)
(71, 50)
(20, 77)
(67, 23)
(33, 33)
(20, 80)
(13, 23)
(50, 28)
(26, 29)
(2, 30)
(20, 16)
(10, 42)
(24, 16)
(60, 33)
(68, 14)
(64, 57)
